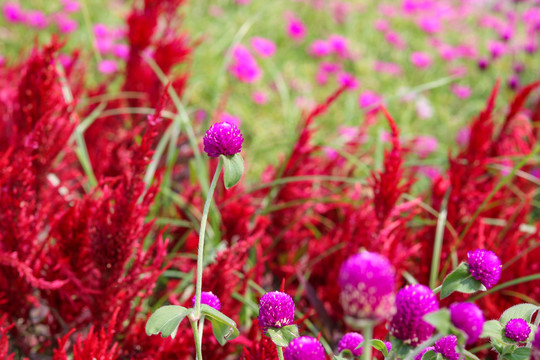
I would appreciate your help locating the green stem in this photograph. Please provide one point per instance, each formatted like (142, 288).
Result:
(437, 289)
(198, 347)
(280, 353)
(505, 285)
(368, 335)
(437, 247)
(200, 252)
(201, 330)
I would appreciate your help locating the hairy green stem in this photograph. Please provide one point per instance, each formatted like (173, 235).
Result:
(367, 331)
(200, 251)
(198, 346)
(280, 352)
(437, 289)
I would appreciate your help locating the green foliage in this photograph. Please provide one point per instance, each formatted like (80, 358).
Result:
(461, 280)
(224, 328)
(166, 319)
(234, 168)
(284, 335)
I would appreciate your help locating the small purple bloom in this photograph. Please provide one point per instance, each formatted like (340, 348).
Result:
(421, 353)
(107, 66)
(244, 66)
(388, 345)
(208, 298)
(71, 6)
(276, 309)
(296, 28)
(517, 330)
(304, 348)
(12, 12)
(101, 30)
(469, 318)
(121, 51)
(483, 63)
(320, 48)
(412, 303)
(223, 138)
(446, 346)
(424, 145)
(65, 24)
(461, 91)
(421, 60)
(264, 47)
(485, 267)
(367, 282)
(350, 341)
(36, 19)
(368, 99)
(339, 45)
(535, 349)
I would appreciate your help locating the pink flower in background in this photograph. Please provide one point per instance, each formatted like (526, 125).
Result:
(121, 51)
(321, 77)
(421, 60)
(461, 91)
(104, 44)
(71, 6)
(259, 97)
(348, 132)
(243, 2)
(395, 39)
(12, 12)
(467, 51)
(458, 71)
(65, 24)
(263, 47)
(425, 145)
(296, 28)
(344, 78)
(381, 25)
(226, 117)
(244, 66)
(329, 67)
(36, 19)
(101, 30)
(388, 68)
(430, 24)
(330, 152)
(431, 172)
(339, 45)
(369, 99)
(424, 110)
(2, 60)
(107, 66)
(447, 52)
(320, 48)
(497, 49)
(463, 135)
(65, 60)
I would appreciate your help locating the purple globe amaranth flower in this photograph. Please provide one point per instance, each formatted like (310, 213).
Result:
(350, 341)
(535, 348)
(412, 303)
(421, 353)
(304, 348)
(388, 345)
(223, 138)
(469, 318)
(446, 346)
(276, 309)
(517, 330)
(485, 267)
(208, 298)
(367, 282)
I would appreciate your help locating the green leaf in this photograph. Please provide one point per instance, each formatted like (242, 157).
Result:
(521, 311)
(224, 327)
(284, 335)
(430, 355)
(492, 329)
(399, 347)
(462, 281)
(166, 319)
(234, 168)
(469, 355)
(440, 319)
(346, 354)
(521, 353)
(380, 345)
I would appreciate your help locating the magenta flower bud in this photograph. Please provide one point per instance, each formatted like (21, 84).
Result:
(388, 345)
(276, 309)
(535, 349)
(223, 138)
(517, 330)
(485, 267)
(469, 318)
(421, 353)
(208, 298)
(446, 346)
(350, 341)
(304, 348)
(367, 282)
(412, 303)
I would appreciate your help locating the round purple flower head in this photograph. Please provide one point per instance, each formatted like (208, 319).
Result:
(388, 345)
(446, 346)
(208, 298)
(304, 348)
(223, 138)
(517, 330)
(485, 267)
(412, 303)
(350, 341)
(469, 318)
(535, 349)
(367, 282)
(276, 309)
(421, 353)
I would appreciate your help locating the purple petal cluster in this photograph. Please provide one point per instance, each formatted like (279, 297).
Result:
(208, 298)
(517, 330)
(535, 349)
(412, 303)
(304, 348)
(421, 353)
(350, 341)
(468, 317)
(223, 138)
(276, 309)
(367, 282)
(485, 267)
(446, 346)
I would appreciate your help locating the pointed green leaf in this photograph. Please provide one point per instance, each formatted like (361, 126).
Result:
(461, 280)
(521, 311)
(224, 327)
(521, 353)
(380, 345)
(399, 347)
(431, 355)
(440, 319)
(277, 337)
(234, 168)
(492, 328)
(166, 319)
(346, 354)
